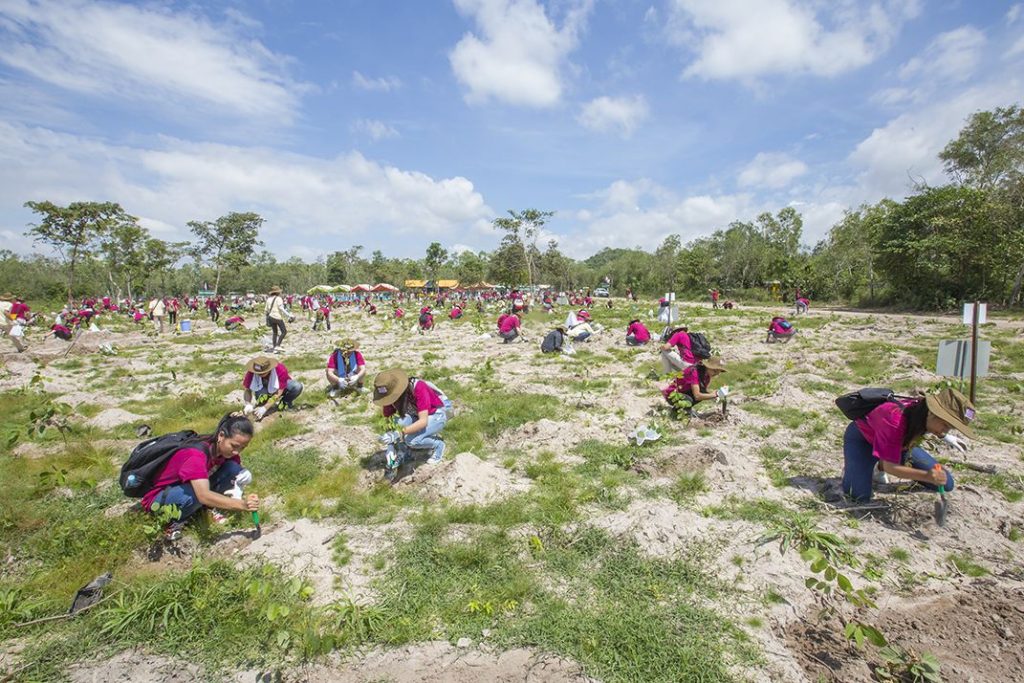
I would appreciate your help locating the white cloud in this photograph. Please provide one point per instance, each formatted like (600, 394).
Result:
(146, 53)
(1014, 13)
(771, 170)
(1017, 48)
(318, 203)
(382, 84)
(373, 129)
(520, 55)
(951, 56)
(739, 39)
(621, 114)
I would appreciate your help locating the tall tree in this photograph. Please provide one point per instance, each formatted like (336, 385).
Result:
(667, 260)
(988, 154)
(435, 258)
(228, 242)
(526, 226)
(74, 230)
(122, 247)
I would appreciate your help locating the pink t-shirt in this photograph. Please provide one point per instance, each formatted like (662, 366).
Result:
(641, 333)
(426, 399)
(186, 465)
(332, 361)
(681, 340)
(777, 327)
(884, 428)
(282, 377)
(510, 323)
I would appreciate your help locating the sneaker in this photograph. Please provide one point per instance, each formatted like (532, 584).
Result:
(880, 477)
(172, 532)
(437, 456)
(332, 393)
(218, 517)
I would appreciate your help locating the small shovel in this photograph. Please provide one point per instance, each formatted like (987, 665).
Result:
(940, 504)
(256, 520)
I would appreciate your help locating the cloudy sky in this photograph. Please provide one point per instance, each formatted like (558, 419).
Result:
(394, 123)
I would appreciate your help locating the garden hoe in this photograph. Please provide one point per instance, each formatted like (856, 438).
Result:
(940, 504)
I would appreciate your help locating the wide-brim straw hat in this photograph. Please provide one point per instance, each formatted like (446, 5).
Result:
(6, 296)
(388, 386)
(261, 365)
(715, 363)
(348, 344)
(953, 408)
(275, 290)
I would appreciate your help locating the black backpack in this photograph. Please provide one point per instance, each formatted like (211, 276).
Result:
(857, 404)
(148, 459)
(699, 345)
(553, 341)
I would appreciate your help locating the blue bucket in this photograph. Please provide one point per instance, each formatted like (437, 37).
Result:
(186, 325)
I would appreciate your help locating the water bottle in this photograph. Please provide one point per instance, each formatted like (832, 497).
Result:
(132, 481)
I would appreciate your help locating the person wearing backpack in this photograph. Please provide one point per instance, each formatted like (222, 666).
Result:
(426, 319)
(886, 441)
(268, 384)
(691, 386)
(345, 369)
(780, 329)
(637, 333)
(421, 411)
(677, 352)
(199, 473)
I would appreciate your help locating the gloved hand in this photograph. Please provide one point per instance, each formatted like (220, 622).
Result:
(248, 408)
(390, 438)
(260, 412)
(956, 443)
(342, 383)
(243, 479)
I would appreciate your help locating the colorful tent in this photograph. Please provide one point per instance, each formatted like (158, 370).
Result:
(320, 289)
(447, 284)
(415, 284)
(479, 285)
(384, 287)
(341, 288)
(361, 288)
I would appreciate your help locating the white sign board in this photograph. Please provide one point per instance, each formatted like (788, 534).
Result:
(969, 314)
(955, 359)
(562, 301)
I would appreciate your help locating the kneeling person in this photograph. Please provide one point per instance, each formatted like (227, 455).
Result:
(345, 368)
(267, 384)
(691, 387)
(422, 413)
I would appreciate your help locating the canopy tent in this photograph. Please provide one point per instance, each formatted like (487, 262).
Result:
(415, 284)
(320, 289)
(361, 288)
(447, 284)
(384, 287)
(341, 288)
(479, 285)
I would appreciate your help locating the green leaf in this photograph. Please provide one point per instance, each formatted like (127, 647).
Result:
(875, 636)
(844, 583)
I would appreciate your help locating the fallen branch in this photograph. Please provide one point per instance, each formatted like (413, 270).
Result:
(987, 469)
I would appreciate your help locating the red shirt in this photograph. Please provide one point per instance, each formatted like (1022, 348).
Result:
(681, 340)
(641, 333)
(188, 464)
(884, 428)
(510, 323)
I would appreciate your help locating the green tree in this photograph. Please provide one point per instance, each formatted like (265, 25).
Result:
(228, 242)
(508, 263)
(122, 247)
(526, 227)
(666, 258)
(471, 267)
(74, 230)
(435, 258)
(158, 256)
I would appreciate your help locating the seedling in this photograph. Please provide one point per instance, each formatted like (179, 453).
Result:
(907, 666)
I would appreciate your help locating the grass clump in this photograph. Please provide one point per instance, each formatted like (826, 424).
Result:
(688, 486)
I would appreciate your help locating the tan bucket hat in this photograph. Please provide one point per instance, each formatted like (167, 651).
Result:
(388, 386)
(261, 365)
(715, 363)
(274, 290)
(348, 345)
(954, 408)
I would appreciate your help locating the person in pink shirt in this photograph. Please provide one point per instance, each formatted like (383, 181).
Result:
(636, 333)
(399, 313)
(422, 412)
(200, 474)
(323, 316)
(426, 319)
(508, 327)
(780, 329)
(233, 323)
(885, 442)
(456, 312)
(61, 332)
(691, 386)
(345, 368)
(267, 385)
(676, 353)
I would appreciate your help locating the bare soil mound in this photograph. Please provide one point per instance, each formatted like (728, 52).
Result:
(135, 666)
(111, 418)
(974, 631)
(466, 479)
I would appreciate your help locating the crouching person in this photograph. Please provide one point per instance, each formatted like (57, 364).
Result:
(200, 474)
(637, 333)
(693, 385)
(346, 369)
(422, 411)
(885, 442)
(268, 385)
(508, 327)
(780, 329)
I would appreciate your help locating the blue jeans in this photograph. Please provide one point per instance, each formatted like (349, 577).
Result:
(425, 439)
(291, 392)
(631, 340)
(184, 496)
(509, 336)
(859, 464)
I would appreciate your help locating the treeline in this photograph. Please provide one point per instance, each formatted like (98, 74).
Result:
(960, 241)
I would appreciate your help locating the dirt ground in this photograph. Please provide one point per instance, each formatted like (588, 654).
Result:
(925, 600)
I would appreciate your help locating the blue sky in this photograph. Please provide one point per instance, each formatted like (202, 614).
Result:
(394, 123)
